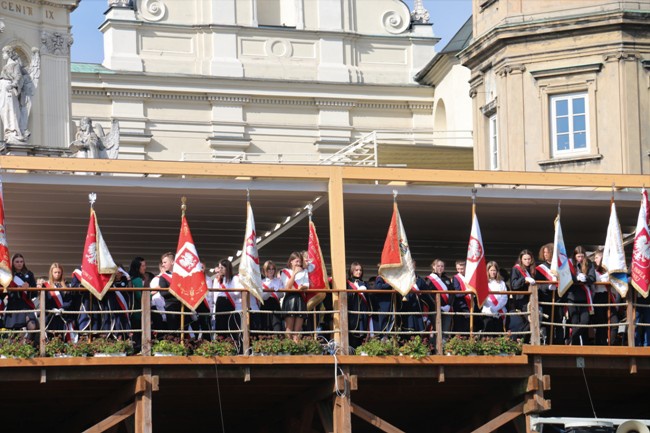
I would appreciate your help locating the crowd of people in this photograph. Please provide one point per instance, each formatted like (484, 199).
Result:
(587, 313)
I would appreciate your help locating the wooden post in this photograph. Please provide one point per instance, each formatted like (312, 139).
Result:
(438, 329)
(245, 322)
(337, 248)
(143, 417)
(342, 409)
(533, 303)
(145, 322)
(631, 317)
(41, 323)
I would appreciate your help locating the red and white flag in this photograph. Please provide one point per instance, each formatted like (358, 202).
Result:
(641, 252)
(396, 263)
(97, 266)
(249, 265)
(318, 275)
(188, 277)
(560, 266)
(476, 270)
(5, 262)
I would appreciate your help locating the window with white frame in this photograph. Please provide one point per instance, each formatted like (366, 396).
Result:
(569, 124)
(494, 143)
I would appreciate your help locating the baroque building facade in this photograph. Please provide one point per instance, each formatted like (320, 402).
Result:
(561, 86)
(271, 80)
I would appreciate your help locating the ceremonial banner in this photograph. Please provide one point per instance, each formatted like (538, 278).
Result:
(249, 265)
(97, 266)
(614, 254)
(188, 277)
(560, 263)
(5, 262)
(641, 251)
(475, 269)
(318, 275)
(396, 264)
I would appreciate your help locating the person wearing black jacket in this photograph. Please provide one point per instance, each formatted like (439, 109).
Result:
(583, 273)
(359, 322)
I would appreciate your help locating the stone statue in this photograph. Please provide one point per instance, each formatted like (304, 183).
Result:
(91, 144)
(17, 88)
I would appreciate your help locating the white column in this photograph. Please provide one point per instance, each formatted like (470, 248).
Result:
(54, 103)
(121, 41)
(332, 50)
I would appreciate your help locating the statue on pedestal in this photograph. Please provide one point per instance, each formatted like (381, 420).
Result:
(17, 87)
(91, 144)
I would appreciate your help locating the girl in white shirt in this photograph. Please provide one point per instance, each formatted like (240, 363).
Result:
(271, 322)
(494, 308)
(225, 301)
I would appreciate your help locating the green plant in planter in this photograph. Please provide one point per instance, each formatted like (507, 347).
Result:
(378, 347)
(17, 348)
(487, 346)
(508, 346)
(460, 346)
(310, 346)
(110, 346)
(267, 345)
(56, 347)
(170, 347)
(416, 348)
(291, 347)
(83, 347)
(219, 347)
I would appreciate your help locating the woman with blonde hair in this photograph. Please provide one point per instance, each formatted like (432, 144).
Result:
(271, 284)
(57, 302)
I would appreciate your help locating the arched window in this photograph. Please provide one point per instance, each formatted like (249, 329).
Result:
(440, 117)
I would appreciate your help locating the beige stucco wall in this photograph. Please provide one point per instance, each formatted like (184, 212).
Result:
(606, 55)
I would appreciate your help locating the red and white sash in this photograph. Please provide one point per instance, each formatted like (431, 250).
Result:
(17, 282)
(287, 273)
(548, 275)
(590, 306)
(275, 295)
(121, 301)
(495, 302)
(167, 277)
(523, 271)
(55, 295)
(228, 295)
(359, 291)
(439, 286)
(463, 287)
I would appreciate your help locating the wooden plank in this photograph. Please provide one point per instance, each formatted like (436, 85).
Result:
(146, 323)
(601, 351)
(320, 172)
(143, 402)
(373, 419)
(501, 420)
(342, 412)
(112, 420)
(337, 248)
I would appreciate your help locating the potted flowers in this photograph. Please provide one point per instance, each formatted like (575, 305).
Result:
(377, 347)
(416, 348)
(169, 347)
(460, 346)
(219, 347)
(56, 348)
(267, 346)
(310, 346)
(16, 348)
(106, 347)
(81, 348)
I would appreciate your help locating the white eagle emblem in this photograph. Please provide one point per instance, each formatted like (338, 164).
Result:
(187, 260)
(91, 254)
(641, 253)
(474, 250)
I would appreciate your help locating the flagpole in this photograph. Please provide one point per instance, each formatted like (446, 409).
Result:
(471, 299)
(309, 214)
(92, 198)
(609, 287)
(183, 209)
(559, 209)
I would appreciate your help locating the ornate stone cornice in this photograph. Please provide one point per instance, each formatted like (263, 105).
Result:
(616, 56)
(56, 43)
(235, 99)
(510, 70)
(569, 70)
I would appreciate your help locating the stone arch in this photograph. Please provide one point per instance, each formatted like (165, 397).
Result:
(440, 116)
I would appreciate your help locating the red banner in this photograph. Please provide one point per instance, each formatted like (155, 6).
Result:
(318, 276)
(5, 263)
(641, 253)
(97, 266)
(188, 277)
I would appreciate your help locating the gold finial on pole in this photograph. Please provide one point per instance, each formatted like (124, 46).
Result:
(183, 205)
(559, 207)
(92, 198)
(395, 195)
(248, 194)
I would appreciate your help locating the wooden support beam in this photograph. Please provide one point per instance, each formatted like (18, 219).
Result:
(501, 420)
(112, 420)
(535, 384)
(245, 321)
(373, 419)
(536, 404)
(144, 386)
(145, 323)
(337, 246)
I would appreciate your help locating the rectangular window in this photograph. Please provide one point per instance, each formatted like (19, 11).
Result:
(569, 124)
(494, 143)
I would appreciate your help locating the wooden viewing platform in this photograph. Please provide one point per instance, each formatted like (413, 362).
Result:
(326, 393)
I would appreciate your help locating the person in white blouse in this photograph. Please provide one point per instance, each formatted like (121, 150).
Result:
(294, 277)
(226, 301)
(271, 297)
(494, 309)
